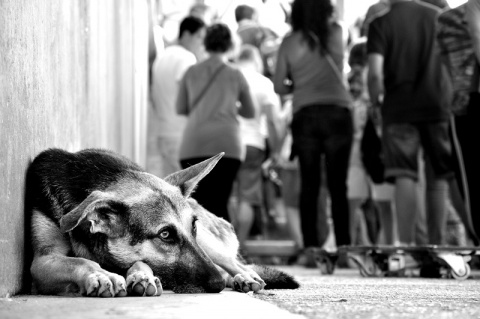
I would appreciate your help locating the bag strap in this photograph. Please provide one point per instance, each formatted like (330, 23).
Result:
(337, 71)
(205, 89)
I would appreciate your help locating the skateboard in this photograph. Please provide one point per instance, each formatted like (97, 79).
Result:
(384, 261)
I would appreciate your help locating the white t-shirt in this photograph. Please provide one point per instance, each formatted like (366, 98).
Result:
(267, 107)
(167, 72)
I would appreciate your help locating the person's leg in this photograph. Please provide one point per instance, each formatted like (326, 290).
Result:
(220, 192)
(249, 192)
(439, 168)
(338, 146)
(310, 185)
(358, 227)
(387, 223)
(460, 207)
(421, 229)
(308, 149)
(244, 221)
(290, 192)
(436, 195)
(466, 126)
(213, 192)
(406, 208)
(401, 146)
(324, 213)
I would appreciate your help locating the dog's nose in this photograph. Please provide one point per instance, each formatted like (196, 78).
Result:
(215, 285)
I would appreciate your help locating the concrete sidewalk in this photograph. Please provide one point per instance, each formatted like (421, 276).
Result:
(343, 295)
(227, 304)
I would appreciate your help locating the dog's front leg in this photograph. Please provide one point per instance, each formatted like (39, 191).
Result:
(59, 274)
(142, 282)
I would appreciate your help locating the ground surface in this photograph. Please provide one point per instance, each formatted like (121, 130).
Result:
(347, 295)
(342, 295)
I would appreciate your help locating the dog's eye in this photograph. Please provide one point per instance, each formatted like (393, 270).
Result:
(167, 234)
(164, 234)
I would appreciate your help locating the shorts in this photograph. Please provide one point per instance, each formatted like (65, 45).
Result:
(402, 144)
(249, 177)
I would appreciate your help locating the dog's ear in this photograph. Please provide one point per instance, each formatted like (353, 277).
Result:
(187, 179)
(100, 209)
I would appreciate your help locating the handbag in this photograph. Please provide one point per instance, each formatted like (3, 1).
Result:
(371, 150)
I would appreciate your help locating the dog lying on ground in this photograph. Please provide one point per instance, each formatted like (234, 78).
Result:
(102, 226)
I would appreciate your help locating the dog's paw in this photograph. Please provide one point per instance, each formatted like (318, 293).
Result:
(105, 284)
(140, 283)
(243, 284)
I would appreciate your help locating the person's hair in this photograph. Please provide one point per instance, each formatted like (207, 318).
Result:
(311, 18)
(358, 54)
(442, 4)
(191, 24)
(218, 38)
(203, 11)
(250, 53)
(243, 12)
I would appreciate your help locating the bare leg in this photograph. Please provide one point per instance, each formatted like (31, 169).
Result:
(436, 197)
(406, 202)
(293, 221)
(244, 221)
(387, 222)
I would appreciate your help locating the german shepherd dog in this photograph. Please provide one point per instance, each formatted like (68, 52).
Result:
(102, 226)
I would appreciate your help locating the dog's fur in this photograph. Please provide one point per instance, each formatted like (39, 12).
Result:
(102, 226)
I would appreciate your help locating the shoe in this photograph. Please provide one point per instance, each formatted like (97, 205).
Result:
(305, 258)
(344, 262)
(430, 271)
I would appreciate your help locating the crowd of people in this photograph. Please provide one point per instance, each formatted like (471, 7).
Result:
(298, 103)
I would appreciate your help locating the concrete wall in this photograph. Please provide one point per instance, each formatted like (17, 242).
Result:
(73, 74)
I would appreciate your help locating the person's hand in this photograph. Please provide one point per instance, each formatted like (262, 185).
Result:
(375, 114)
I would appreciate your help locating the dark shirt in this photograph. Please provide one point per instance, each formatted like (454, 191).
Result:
(416, 87)
(456, 45)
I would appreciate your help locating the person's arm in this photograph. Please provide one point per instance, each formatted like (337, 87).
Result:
(184, 64)
(281, 80)
(473, 20)
(375, 77)
(274, 123)
(246, 109)
(182, 98)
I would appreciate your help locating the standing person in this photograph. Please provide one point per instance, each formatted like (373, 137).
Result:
(363, 193)
(208, 94)
(456, 43)
(252, 32)
(473, 20)
(309, 61)
(165, 126)
(256, 133)
(405, 68)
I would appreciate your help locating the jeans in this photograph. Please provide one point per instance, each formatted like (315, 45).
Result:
(214, 190)
(323, 130)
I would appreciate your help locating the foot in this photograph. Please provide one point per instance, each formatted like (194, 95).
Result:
(142, 282)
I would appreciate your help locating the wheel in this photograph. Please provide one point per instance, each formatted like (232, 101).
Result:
(463, 276)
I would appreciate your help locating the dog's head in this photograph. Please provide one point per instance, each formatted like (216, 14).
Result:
(144, 218)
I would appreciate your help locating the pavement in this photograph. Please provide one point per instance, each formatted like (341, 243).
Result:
(345, 294)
